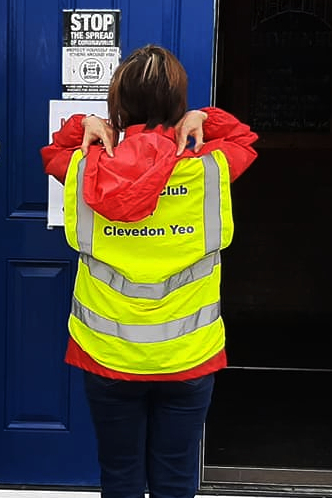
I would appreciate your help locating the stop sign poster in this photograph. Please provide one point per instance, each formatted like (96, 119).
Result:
(90, 52)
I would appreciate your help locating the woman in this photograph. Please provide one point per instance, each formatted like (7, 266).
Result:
(148, 218)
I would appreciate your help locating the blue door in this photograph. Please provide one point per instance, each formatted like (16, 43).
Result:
(46, 437)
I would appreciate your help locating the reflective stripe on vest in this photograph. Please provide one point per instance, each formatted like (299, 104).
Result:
(146, 333)
(85, 215)
(119, 283)
(212, 217)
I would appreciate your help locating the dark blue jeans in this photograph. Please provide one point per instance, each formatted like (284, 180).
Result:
(148, 434)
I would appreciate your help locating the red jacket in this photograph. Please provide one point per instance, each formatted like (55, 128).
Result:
(127, 188)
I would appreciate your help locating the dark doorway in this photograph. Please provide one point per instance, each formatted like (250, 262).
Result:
(270, 423)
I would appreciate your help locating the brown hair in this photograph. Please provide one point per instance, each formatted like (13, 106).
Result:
(149, 87)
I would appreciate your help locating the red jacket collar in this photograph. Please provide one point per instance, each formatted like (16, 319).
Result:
(160, 130)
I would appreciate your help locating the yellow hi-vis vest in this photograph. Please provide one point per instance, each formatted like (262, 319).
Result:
(147, 293)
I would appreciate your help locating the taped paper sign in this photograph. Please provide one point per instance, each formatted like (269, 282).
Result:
(90, 52)
(60, 111)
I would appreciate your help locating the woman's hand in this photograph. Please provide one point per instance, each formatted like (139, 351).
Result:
(95, 129)
(191, 125)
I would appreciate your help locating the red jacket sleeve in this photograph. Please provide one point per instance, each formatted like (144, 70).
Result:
(221, 131)
(224, 131)
(56, 156)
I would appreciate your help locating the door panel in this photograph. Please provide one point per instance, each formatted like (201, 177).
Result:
(269, 427)
(46, 435)
(287, 421)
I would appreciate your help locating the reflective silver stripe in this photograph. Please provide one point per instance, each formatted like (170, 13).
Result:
(146, 333)
(119, 283)
(84, 214)
(212, 219)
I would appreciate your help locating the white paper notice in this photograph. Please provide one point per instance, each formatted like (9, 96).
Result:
(60, 110)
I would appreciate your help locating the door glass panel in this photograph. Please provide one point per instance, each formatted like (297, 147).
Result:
(270, 408)
(270, 419)
(290, 76)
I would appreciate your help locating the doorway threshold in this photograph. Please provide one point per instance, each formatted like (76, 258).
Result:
(24, 493)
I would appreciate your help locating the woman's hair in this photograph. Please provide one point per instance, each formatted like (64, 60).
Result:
(149, 87)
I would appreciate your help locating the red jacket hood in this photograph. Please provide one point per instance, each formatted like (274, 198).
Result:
(127, 186)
